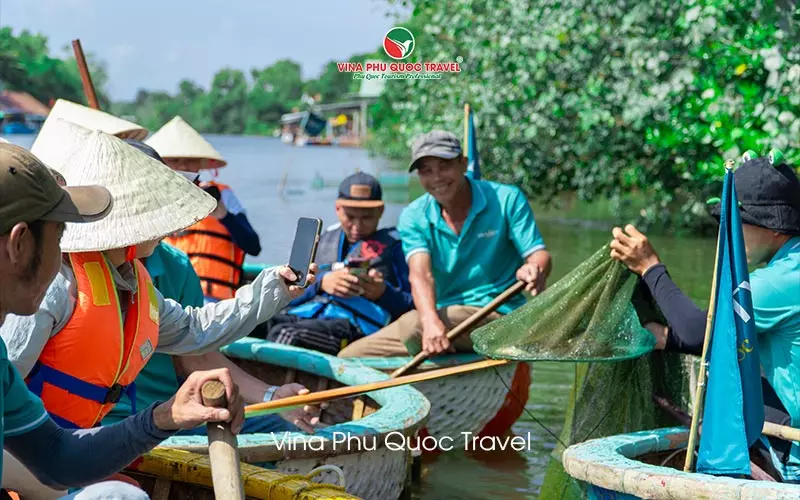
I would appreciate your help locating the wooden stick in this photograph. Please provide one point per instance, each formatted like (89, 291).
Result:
(355, 390)
(701, 377)
(466, 129)
(462, 327)
(781, 431)
(223, 452)
(756, 472)
(86, 78)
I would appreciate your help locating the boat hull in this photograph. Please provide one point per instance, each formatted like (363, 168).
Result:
(479, 402)
(617, 467)
(372, 470)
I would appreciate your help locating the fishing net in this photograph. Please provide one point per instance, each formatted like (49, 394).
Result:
(593, 316)
(586, 316)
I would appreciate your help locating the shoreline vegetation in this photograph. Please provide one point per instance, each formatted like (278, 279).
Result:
(624, 113)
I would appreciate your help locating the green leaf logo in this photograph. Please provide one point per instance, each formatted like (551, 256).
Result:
(398, 43)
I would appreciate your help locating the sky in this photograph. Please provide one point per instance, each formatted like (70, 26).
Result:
(154, 44)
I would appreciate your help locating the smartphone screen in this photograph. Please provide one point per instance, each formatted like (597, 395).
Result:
(304, 248)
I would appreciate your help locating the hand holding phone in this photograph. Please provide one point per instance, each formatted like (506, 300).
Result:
(304, 249)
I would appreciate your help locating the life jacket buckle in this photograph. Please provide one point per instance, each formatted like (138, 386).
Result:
(114, 394)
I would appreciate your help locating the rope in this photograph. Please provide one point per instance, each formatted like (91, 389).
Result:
(313, 486)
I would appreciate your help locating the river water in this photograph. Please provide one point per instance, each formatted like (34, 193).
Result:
(278, 183)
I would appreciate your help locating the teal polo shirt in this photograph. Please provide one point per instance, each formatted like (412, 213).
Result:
(174, 276)
(22, 411)
(477, 265)
(776, 308)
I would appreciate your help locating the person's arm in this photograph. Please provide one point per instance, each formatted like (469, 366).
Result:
(243, 234)
(525, 235)
(235, 221)
(398, 300)
(686, 321)
(63, 458)
(198, 330)
(251, 388)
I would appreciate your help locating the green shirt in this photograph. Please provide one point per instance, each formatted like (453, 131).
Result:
(173, 275)
(475, 266)
(22, 411)
(776, 308)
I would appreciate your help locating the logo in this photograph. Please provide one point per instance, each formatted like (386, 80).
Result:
(398, 43)
(146, 349)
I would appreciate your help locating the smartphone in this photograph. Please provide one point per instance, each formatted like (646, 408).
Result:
(304, 248)
(358, 266)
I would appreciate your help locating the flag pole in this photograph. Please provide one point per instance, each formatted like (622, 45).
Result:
(702, 371)
(466, 129)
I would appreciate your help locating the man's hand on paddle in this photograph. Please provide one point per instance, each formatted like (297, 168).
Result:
(306, 417)
(185, 409)
(534, 279)
(633, 249)
(434, 336)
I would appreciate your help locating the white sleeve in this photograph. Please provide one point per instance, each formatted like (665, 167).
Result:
(232, 203)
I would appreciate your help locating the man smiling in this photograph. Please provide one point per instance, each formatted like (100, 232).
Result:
(465, 242)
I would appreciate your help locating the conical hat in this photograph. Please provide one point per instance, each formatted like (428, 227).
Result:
(94, 119)
(151, 201)
(59, 140)
(177, 139)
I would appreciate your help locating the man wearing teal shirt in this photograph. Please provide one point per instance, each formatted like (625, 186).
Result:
(769, 196)
(465, 241)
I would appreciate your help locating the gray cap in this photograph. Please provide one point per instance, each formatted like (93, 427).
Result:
(438, 143)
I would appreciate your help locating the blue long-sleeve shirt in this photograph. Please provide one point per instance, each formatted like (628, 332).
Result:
(396, 299)
(235, 221)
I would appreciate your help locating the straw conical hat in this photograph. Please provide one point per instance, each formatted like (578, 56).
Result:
(59, 140)
(177, 139)
(151, 201)
(94, 119)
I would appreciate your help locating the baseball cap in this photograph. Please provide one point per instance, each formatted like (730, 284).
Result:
(360, 190)
(438, 143)
(29, 192)
(768, 192)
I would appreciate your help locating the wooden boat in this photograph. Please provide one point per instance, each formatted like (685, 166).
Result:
(180, 475)
(648, 464)
(479, 402)
(387, 417)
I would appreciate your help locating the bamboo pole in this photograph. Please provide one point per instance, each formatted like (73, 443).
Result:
(86, 78)
(464, 326)
(223, 452)
(701, 377)
(314, 398)
(466, 130)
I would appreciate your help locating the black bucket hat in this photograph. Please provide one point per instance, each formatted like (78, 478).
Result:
(768, 192)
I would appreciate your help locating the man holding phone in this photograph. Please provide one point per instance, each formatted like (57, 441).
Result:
(363, 283)
(466, 242)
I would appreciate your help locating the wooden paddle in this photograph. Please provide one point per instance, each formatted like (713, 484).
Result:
(464, 326)
(318, 397)
(86, 78)
(223, 451)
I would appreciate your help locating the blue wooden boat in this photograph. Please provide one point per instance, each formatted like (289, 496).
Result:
(366, 437)
(648, 464)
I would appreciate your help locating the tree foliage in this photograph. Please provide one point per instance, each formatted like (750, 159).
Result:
(26, 65)
(606, 98)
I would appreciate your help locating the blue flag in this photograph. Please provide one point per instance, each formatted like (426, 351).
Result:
(734, 408)
(473, 162)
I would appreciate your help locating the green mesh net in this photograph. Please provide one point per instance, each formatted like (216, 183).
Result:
(587, 315)
(593, 316)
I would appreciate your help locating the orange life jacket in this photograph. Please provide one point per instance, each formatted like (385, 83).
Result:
(216, 259)
(84, 369)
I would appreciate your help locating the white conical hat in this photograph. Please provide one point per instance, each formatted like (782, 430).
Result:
(150, 200)
(177, 139)
(59, 140)
(94, 119)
